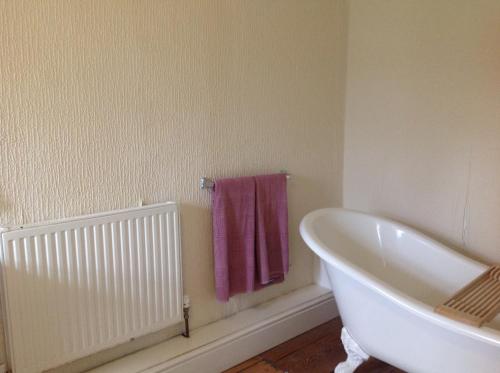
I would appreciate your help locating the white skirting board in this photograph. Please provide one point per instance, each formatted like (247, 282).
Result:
(225, 343)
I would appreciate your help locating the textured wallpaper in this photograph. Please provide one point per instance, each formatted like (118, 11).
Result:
(107, 103)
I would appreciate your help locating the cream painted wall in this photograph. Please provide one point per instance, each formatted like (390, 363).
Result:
(422, 133)
(105, 103)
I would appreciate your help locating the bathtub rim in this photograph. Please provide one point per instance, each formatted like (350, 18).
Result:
(485, 334)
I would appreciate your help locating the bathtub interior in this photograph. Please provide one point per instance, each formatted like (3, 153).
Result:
(396, 255)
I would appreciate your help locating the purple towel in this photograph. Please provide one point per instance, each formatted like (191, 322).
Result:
(250, 223)
(233, 212)
(271, 244)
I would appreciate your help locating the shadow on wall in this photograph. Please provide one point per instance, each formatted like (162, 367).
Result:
(4, 204)
(197, 252)
(310, 186)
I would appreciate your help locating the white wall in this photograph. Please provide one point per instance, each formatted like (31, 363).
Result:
(105, 103)
(422, 133)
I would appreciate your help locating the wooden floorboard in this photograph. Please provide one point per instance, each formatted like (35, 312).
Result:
(320, 357)
(317, 351)
(245, 365)
(377, 366)
(262, 367)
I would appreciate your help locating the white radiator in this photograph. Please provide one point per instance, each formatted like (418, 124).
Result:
(77, 286)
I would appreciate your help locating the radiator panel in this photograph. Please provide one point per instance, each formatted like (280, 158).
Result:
(75, 287)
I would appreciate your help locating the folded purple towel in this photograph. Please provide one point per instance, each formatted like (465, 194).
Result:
(271, 244)
(233, 212)
(250, 223)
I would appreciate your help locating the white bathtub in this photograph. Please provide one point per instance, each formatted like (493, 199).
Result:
(387, 279)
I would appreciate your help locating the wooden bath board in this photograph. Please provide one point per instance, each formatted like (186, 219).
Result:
(476, 303)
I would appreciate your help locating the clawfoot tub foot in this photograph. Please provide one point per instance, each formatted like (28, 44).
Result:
(355, 355)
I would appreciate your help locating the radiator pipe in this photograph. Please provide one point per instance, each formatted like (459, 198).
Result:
(185, 306)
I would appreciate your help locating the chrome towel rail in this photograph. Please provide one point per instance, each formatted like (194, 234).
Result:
(208, 183)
